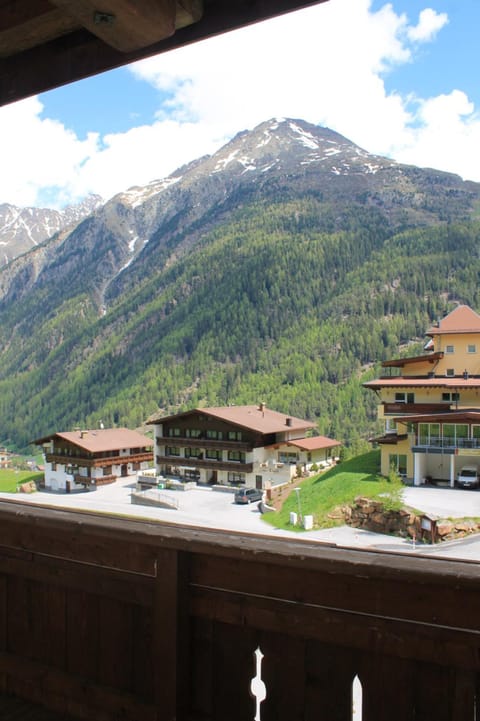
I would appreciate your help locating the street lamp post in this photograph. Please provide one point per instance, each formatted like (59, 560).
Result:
(297, 491)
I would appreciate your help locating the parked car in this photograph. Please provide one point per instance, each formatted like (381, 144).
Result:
(468, 477)
(248, 495)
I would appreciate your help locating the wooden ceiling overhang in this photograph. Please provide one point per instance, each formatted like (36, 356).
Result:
(48, 43)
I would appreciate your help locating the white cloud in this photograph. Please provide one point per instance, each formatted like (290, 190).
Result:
(447, 136)
(37, 153)
(429, 24)
(326, 64)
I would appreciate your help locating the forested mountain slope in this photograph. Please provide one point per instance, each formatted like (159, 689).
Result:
(280, 269)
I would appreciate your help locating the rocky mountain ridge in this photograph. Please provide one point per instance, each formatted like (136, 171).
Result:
(22, 229)
(180, 291)
(132, 226)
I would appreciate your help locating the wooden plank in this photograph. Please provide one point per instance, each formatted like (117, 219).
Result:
(392, 595)
(387, 687)
(24, 27)
(126, 25)
(115, 644)
(142, 654)
(15, 709)
(330, 671)
(233, 669)
(433, 693)
(464, 697)
(201, 671)
(19, 640)
(284, 675)
(170, 636)
(46, 685)
(121, 585)
(47, 613)
(394, 637)
(80, 543)
(83, 630)
(3, 627)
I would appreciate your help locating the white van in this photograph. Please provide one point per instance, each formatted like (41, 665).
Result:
(468, 477)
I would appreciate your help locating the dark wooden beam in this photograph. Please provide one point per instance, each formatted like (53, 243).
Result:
(81, 54)
(126, 25)
(22, 29)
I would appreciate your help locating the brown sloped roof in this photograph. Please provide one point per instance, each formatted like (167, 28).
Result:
(254, 418)
(461, 320)
(313, 443)
(101, 439)
(466, 415)
(400, 362)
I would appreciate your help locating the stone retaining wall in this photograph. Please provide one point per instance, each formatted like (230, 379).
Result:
(372, 516)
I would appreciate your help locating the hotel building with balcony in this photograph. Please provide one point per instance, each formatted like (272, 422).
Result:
(238, 445)
(430, 403)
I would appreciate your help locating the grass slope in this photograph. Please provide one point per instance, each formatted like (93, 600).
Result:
(339, 486)
(9, 480)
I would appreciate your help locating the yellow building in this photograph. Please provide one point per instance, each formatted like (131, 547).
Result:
(430, 404)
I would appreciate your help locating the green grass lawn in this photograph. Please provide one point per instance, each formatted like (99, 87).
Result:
(339, 486)
(9, 480)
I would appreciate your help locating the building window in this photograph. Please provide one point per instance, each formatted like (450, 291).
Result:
(193, 453)
(450, 397)
(54, 466)
(404, 397)
(450, 372)
(234, 435)
(238, 456)
(174, 432)
(107, 470)
(471, 348)
(398, 461)
(236, 478)
(214, 435)
(285, 457)
(172, 451)
(193, 433)
(191, 474)
(213, 455)
(449, 349)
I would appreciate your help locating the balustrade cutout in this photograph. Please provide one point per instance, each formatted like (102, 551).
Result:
(357, 699)
(257, 686)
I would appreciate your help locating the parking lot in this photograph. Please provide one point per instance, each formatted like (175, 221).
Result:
(207, 508)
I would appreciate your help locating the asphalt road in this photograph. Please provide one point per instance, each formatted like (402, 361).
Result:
(204, 507)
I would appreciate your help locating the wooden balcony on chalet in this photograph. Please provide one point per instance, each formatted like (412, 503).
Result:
(208, 463)
(109, 618)
(98, 481)
(99, 460)
(221, 445)
(398, 409)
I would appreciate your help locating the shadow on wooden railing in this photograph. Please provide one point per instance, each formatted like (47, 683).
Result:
(110, 618)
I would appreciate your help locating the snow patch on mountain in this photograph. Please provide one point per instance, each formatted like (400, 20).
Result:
(136, 196)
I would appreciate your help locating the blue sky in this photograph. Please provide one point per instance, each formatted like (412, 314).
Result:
(397, 78)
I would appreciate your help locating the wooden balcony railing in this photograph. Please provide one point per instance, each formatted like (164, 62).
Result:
(208, 463)
(106, 460)
(203, 443)
(109, 618)
(408, 408)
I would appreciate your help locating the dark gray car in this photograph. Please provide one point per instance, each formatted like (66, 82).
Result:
(248, 495)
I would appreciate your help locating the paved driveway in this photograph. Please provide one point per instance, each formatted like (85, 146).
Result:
(207, 508)
(444, 502)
